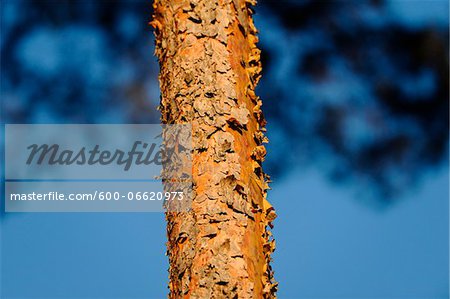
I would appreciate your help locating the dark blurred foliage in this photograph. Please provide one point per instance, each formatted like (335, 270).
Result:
(358, 89)
(78, 62)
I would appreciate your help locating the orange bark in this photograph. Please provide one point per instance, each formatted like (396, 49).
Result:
(209, 67)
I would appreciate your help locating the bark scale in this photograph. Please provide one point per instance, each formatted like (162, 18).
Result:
(209, 67)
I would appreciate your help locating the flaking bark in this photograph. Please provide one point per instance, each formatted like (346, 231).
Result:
(209, 67)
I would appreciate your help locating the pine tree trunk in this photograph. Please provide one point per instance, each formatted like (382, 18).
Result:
(209, 67)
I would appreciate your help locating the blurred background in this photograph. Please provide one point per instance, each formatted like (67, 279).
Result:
(356, 94)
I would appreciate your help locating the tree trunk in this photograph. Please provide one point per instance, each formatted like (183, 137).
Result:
(209, 67)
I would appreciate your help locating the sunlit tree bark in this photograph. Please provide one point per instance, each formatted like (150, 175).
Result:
(209, 67)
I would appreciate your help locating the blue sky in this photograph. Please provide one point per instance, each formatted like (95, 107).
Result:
(329, 245)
